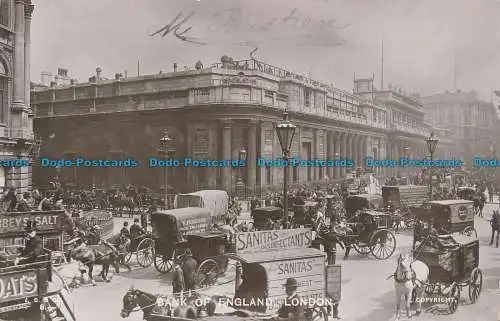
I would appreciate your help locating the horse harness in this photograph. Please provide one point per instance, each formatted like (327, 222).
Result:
(404, 279)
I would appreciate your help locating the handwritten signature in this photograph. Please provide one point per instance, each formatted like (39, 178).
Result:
(175, 27)
(231, 20)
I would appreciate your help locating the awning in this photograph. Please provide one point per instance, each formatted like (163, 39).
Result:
(269, 256)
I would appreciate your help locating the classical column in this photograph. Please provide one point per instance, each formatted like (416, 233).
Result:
(226, 155)
(19, 83)
(348, 151)
(354, 151)
(27, 53)
(329, 152)
(252, 156)
(362, 151)
(336, 138)
(343, 152)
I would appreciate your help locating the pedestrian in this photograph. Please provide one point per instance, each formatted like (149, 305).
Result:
(292, 308)
(189, 266)
(23, 204)
(178, 284)
(33, 248)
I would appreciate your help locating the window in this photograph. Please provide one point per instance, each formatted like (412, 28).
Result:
(307, 97)
(268, 94)
(4, 13)
(202, 92)
(3, 94)
(467, 116)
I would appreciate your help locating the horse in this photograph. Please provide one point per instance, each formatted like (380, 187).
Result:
(410, 279)
(495, 226)
(100, 254)
(185, 307)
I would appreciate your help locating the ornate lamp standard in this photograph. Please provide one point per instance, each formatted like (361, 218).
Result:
(431, 147)
(240, 185)
(285, 130)
(164, 141)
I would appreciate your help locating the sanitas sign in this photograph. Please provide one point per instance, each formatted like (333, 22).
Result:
(248, 242)
(18, 285)
(13, 223)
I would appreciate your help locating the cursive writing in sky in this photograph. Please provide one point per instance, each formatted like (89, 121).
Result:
(233, 21)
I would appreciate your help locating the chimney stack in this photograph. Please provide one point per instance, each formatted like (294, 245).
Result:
(92, 79)
(98, 71)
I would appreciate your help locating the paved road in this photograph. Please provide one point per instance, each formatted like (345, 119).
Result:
(366, 294)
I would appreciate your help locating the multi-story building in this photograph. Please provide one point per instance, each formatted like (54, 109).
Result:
(472, 122)
(16, 130)
(211, 113)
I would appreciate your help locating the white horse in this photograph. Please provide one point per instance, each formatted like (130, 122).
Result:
(410, 279)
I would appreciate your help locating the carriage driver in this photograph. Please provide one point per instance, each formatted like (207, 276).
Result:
(33, 248)
(136, 230)
(291, 309)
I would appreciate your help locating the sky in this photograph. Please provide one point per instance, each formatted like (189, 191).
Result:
(327, 40)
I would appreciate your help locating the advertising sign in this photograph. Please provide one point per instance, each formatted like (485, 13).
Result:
(258, 241)
(16, 223)
(309, 273)
(18, 285)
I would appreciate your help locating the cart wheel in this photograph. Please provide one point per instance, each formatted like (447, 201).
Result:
(145, 252)
(361, 249)
(207, 273)
(382, 244)
(454, 296)
(470, 231)
(317, 313)
(163, 264)
(475, 285)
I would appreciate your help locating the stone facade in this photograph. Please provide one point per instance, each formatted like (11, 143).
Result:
(471, 122)
(210, 113)
(16, 124)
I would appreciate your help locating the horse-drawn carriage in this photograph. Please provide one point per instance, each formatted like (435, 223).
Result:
(141, 247)
(267, 218)
(466, 193)
(176, 230)
(453, 262)
(355, 203)
(404, 196)
(370, 234)
(444, 217)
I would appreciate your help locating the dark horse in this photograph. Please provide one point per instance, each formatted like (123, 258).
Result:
(495, 226)
(135, 300)
(101, 254)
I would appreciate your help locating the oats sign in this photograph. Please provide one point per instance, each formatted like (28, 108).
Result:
(273, 240)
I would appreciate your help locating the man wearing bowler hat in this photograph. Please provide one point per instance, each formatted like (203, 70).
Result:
(292, 308)
(33, 248)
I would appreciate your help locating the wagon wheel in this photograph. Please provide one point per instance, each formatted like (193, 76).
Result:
(470, 231)
(382, 244)
(207, 273)
(317, 313)
(163, 263)
(361, 249)
(145, 252)
(475, 285)
(454, 297)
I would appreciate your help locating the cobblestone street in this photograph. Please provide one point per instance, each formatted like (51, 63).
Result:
(367, 295)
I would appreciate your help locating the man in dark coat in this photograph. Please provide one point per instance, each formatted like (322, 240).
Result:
(291, 309)
(11, 198)
(136, 230)
(23, 204)
(189, 270)
(33, 248)
(125, 231)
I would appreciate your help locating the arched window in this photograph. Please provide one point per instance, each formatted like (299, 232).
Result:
(3, 92)
(4, 13)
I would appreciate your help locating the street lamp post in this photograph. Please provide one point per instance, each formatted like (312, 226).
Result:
(285, 131)
(164, 141)
(431, 147)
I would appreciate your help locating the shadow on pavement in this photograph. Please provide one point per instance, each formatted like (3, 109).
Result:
(148, 273)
